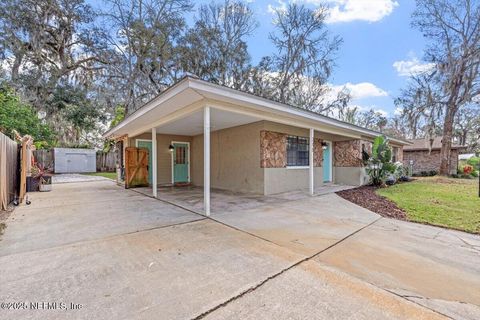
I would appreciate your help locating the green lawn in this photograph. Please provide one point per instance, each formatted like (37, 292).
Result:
(109, 175)
(447, 202)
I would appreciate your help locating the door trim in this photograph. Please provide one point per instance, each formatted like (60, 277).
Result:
(188, 157)
(141, 140)
(136, 146)
(330, 145)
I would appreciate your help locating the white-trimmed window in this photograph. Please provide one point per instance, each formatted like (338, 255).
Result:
(297, 151)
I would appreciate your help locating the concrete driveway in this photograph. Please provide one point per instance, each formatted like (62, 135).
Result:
(114, 253)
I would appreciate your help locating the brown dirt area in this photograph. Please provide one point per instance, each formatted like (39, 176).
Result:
(366, 197)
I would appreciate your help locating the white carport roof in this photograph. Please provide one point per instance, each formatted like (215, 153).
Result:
(178, 110)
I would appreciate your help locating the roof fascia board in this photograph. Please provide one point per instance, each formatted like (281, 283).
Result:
(172, 117)
(268, 116)
(164, 96)
(200, 85)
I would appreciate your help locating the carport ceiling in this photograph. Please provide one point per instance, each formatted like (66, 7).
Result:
(193, 124)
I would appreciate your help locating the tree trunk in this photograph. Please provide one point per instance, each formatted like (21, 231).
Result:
(464, 137)
(447, 142)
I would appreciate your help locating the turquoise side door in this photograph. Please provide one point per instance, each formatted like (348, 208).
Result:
(180, 162)
(147, 145)
(327, 164)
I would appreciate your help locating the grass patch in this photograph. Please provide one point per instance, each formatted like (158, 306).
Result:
(452, 203)
(109, 175)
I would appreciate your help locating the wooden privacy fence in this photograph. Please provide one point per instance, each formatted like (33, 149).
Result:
(44, 157)
(106, 161)
(9, 170)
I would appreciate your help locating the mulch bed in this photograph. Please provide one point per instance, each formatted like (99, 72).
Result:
(367, 198)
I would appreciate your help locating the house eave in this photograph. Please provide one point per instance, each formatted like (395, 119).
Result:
(222, 93)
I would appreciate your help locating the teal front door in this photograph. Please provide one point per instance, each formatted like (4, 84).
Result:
(327, 163)
(180, 162)
(147, 145)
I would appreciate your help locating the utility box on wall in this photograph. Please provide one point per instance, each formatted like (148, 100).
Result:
(70, 160)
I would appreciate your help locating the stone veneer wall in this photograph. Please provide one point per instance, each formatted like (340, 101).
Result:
(429, 161)
(348, 153)
(273, 150)
(317, 152)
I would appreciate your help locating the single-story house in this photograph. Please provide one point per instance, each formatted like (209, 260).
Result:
(424, 155)
(213, 136)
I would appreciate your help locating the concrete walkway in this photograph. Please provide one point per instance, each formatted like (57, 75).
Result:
(115, 253)
(75, 177)
(433, 267)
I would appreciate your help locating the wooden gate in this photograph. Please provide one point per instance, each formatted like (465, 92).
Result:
(136, 167)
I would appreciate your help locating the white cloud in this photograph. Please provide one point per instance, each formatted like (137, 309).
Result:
(358, 91)
(345, 10)
(279, 6)
(362, 90)
(362, 108)
(368, 108)
(360, 10)
(398, 111)
(382, 112)
(412, 66)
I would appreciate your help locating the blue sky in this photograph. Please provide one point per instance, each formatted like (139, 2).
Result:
(379, 51)
(376, 33)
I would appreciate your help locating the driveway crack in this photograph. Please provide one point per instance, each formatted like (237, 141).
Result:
(260, 284)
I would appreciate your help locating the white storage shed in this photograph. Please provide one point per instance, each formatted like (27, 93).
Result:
(70, 160)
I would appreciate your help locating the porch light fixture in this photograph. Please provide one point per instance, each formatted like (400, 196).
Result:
(170, 148)
(324, 145)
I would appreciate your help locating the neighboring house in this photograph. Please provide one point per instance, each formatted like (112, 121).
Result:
(424, 158)
(255, 145)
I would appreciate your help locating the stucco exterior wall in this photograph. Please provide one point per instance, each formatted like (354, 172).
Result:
(238, 159)
(278, 180)
(278, 177)
(234, 159)
(429, 161)
(286, 129)
(352, 176)
(164, 156)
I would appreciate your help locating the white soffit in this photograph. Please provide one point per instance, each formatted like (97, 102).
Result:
(192, 124)
(157, 109)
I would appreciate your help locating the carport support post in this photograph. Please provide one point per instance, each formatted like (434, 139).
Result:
(154, 162)
(310, 161)
(206, 160)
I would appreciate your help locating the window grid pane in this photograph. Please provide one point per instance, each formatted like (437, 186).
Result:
(297, 151)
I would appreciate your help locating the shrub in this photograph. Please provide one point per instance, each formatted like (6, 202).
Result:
(467, 169)
(474, 162)
(379, 167)
(474, 174)
(430, 173)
